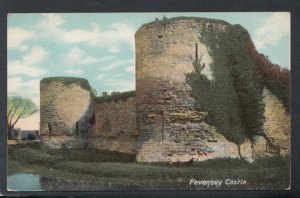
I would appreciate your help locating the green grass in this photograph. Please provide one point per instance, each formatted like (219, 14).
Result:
(92, 155)
(94, 167)
(35, 154)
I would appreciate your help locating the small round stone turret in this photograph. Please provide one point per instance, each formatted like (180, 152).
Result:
(66, 106)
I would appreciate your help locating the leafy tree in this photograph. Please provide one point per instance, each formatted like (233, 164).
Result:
(94, 91)
(115, 96)
(104, 94)
(18, 108)
(31, 137)
(115, 93)
(233, 98)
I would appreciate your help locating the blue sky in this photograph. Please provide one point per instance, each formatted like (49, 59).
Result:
(100, 46)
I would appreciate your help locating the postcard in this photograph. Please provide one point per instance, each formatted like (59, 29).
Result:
(148, 101)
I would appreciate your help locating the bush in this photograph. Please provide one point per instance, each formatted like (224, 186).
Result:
(31, 137)
(115, 96)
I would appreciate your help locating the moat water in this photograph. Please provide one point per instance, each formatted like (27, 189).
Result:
(24, 182)
(32, 182)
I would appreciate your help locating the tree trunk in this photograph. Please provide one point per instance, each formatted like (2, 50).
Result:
(9, 132)
(240, 154)
(239, 149)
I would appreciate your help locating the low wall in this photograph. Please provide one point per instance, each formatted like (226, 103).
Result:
(115, 126)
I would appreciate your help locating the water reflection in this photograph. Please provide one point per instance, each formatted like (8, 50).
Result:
(31, 182)
(24, 182)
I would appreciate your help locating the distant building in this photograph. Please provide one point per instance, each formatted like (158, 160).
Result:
(18, 134)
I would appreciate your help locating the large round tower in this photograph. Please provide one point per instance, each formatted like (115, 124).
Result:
(167, 120)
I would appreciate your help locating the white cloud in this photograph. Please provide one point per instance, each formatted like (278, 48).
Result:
(118, 75)
(36, 55)
(273, 29)
(73, 71)
(23, 48)
(121, 84)
(114, 49)
(16, 86)
(99, 76)
(117, 64)
(52, 21)
(27, 64)
(130, 69)
(33, 85)
(16, 38)
(13, 85)
(76, 56)
(51, 26)
(17, 67)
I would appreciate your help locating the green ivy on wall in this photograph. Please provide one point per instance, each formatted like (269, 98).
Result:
(233, 98)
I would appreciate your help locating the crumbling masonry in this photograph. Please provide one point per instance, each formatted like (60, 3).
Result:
(160, 123)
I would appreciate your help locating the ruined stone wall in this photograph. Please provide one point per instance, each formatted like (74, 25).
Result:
(62, 106)
(170, 126)
(115, 126)
(161, 123)
(277, 124)
(172, 129)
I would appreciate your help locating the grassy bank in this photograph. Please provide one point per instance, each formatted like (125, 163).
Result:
(94, 167)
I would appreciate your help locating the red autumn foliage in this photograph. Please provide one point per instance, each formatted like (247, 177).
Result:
(264, 67)
(275, 78)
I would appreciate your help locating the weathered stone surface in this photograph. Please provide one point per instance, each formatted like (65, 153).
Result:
(153, 151)
(115, 119)
(168, 49)
(165, 109)
(115, 126)
(247, 151)
(277, 125)
(223, 148)
(259, 146)
(161, 123)
(62, 106)
(168, 122)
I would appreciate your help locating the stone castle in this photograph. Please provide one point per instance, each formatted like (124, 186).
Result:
(159, 122)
